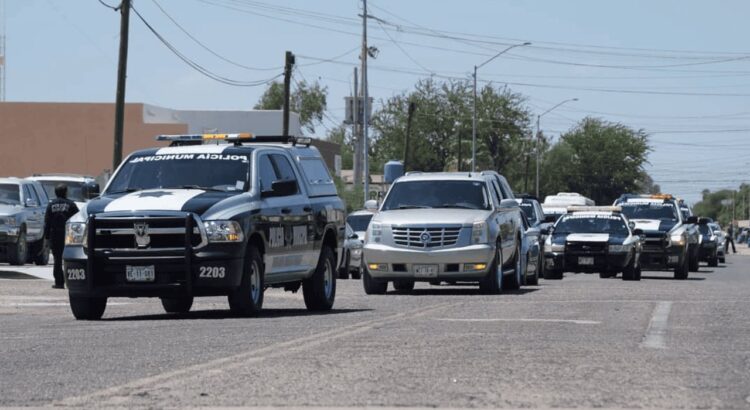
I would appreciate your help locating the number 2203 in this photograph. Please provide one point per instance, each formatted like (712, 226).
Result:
(212, 272)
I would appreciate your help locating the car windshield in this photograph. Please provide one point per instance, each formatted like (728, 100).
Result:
(610, 224)
(437, 194)
(653, 210)
(75, 189)
(528, 210)
(10, 194)
(359, 223)
(197, 171)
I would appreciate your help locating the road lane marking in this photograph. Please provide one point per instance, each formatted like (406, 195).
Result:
(656, 333)
(577, 322)
(118, 395)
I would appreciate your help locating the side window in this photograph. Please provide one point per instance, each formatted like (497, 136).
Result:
(266, 173)
(284, 169)
(498, 194)
(43, 199)
(30, 194)
(507, 192)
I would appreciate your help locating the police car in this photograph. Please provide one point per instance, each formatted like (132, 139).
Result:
(210, 215)
(666, 231)
(593, 239)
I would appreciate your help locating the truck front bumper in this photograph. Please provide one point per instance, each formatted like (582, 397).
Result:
(600, 262)
(663, 258)
(450, 264)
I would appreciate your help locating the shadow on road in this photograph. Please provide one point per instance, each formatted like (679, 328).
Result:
(671, 278)
(227, 314)
(6, 274)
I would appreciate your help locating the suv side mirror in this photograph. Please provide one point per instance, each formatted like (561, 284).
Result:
(692, 220)
(638, 232)
(31, 203)
(281, 188)
(508, 203)
(371, 205)
(91, 191)
(546, 231)
(353, 236)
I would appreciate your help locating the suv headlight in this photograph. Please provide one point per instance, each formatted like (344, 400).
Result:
(618, 248)
(8, 220)
(223, 231)
(479, 233)
(677, 240)
(374, 233)
(76, 233)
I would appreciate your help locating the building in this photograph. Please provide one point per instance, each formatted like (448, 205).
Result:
(79, 137)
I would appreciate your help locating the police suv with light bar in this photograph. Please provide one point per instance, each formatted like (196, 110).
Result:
(593, 239)
(210, 215)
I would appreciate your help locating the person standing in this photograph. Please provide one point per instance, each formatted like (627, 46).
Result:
(730, 239)
(59, 210)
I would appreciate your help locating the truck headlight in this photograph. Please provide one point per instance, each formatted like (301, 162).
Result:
(557, 247)
(375, 233)
(618, 248)
(677, 240)
(76, 233)
(479, 233)
(223, 231)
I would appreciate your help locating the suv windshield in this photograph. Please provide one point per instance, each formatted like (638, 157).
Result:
(592, 224)
(649, 210)
(437, 194)
(359, 223)
(220, 172)
(528, 210)
(75, 189)
(10, 194)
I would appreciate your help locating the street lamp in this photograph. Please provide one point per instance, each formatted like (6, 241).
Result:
(474, 121)
(538, 131)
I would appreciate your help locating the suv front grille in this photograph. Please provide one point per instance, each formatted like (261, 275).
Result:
(426, 237)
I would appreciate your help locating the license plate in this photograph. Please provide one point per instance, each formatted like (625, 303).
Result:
(585, 261)
(140, 273)
(674, 259)
(425, 271)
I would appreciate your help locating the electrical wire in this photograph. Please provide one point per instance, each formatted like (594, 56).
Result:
(111, 7)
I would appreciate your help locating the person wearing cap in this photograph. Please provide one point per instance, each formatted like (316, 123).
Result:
(59, 210)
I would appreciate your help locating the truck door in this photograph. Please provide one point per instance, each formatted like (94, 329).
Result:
(506, 220)
(269, 220)
(35, 221)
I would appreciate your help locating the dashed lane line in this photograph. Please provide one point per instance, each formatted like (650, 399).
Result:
(573, 321)
(656, 333)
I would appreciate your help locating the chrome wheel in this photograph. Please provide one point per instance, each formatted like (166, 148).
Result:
(255, 288)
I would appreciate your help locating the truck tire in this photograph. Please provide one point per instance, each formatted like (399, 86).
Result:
(514, 282)
(319, 289)
(630, 271)
(694, 263)
(247, 299)
(177, 305)
(373, 286)
(681, 271)
(403, 285)
(532, 280)
(41, 258)
(87, 308)
(357, 274)
(493, 282)
(18, 252)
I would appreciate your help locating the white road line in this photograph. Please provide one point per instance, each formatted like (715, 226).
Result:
(577, 322)
(656, 333)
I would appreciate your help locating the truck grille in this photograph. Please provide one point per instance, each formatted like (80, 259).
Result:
(654, 242)
(163, 233)
(426, 237)
(586, 248)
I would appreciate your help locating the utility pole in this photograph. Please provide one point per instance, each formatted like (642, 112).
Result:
(538, 146)
(122, 68)
(412, 107)
(288, 64)
(356, 134)
(365, 100)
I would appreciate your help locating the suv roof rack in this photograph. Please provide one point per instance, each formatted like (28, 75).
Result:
(605, 208)
(237, 138)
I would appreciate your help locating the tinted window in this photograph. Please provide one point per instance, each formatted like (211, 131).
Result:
(75, 189)
(267, 173)
(316, 171)
(10, 194)
(649, 210)
(528, 210)
(284, 168)
(205, 171)
(437, 194)
(43, 198)
(591, 224)
(359, 223)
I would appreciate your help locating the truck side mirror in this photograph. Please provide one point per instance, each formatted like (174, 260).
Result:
(371, 205)
(692, 220)
(281, 188)
(31, 203)
(91, 191)
(638, 232)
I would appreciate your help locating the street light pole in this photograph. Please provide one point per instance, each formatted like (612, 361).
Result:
(538, 138)
(474, 116)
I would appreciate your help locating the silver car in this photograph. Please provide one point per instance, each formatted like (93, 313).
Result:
(356, 226)
(22, 207)
(721, 238)
(445, 226)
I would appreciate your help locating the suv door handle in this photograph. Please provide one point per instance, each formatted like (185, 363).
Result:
(286, 211)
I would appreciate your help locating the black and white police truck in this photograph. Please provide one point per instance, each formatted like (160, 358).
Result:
(210, 215)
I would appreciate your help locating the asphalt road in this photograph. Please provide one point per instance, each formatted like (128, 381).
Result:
(579, 342)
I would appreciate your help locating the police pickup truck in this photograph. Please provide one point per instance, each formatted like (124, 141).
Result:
(210, 215)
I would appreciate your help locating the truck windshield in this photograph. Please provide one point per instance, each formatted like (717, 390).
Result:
(75, 189)
(649, 210)
(437, 194)
(10, 194)
(591, 224)
(216, 172)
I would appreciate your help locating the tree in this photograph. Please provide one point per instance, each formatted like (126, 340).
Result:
(339, 135)
(598, 159)
(724, 205)
(309, 100)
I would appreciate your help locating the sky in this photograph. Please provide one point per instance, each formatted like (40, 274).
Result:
(678, 69)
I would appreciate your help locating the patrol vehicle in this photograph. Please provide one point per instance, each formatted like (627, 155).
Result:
(210, 215)
(666, 232)
(708, 243)
(694, 235)
(593, 239)
(81, 188)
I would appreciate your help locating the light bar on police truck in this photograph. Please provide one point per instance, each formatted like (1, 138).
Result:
(237, 138)
(576, 208)
(205, 137)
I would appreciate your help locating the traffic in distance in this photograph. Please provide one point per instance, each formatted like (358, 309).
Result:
(235, 214)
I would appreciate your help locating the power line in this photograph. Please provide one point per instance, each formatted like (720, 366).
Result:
(108, 6)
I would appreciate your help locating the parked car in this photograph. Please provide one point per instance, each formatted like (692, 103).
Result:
(534, 213)
(708, 243)
(23, 205)
(721, 239)
(445, 226)
(356, 227)
(81, 188)
(533, 255)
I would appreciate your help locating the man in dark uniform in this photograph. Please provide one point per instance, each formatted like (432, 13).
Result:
(59, 210)
(730, 239)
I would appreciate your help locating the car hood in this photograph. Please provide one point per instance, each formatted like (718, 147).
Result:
(196, 201)
(654, 225)
(431, 216)
(8, 210)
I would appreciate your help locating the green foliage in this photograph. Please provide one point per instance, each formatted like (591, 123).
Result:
(339, 135)
(719, 205)
(309, 100)
(598, 159)
(353, 197)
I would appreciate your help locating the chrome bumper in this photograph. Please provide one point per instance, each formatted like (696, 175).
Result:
(399, 263)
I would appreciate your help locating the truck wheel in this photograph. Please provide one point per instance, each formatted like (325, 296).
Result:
(177, 305)
(629, 273)
(694, 264)
(493, 282)
(42, 257)
(681, 271)
(18, 252)
(373, 286)
(247, 299)
(534, 279)
(722, 259)
(320, 289)
(514, 282)
(86, 308)
(403, 285)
